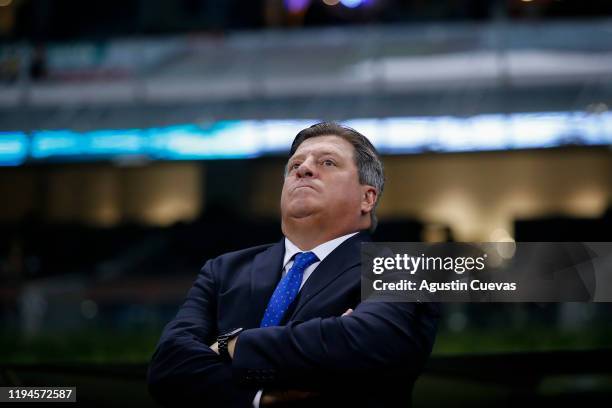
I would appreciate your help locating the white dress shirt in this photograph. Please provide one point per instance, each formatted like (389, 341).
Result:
(321, 252)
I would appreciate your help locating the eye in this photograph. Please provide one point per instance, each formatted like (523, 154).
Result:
(294, 165)
(328, 162)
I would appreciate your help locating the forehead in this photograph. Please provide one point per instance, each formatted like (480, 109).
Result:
(325, 144)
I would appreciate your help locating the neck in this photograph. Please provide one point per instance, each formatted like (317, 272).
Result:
(306, 234)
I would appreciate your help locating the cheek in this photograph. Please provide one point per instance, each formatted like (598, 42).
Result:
(349, 193)
(284, 192)
(287, 183)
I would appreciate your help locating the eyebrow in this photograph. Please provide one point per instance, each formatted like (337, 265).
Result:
(322, 153)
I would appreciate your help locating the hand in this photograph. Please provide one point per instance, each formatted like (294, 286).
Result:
(281, 397)
(348, 312)
(231, 345)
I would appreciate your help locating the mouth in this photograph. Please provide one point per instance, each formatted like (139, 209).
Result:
(304, 186)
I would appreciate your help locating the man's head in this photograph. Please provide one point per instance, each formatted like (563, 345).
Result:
(333, 180)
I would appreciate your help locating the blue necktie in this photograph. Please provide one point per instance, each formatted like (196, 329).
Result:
(287, 289)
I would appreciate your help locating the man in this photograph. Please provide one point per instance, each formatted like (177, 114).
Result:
(274, 325)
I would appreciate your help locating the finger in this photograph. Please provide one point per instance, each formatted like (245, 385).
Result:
(348, 312)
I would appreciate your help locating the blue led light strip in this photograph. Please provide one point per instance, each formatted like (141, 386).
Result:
(249, 138)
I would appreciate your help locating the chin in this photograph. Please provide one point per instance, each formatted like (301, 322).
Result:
(301, 210)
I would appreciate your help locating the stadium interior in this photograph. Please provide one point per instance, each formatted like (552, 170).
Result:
(140, 138)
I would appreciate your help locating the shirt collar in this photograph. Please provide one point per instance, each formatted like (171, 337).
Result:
(321, 251)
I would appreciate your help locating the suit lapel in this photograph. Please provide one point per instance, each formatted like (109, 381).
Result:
(265, 274)
(346, 256)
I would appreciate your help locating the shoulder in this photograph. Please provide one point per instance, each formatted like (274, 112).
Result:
(236, 259)
(243, 253)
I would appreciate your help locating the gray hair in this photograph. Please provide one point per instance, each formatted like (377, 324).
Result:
(367, 159)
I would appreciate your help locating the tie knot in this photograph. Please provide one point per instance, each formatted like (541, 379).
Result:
(304, 259)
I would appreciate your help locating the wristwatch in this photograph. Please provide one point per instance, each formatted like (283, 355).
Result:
(223, 341)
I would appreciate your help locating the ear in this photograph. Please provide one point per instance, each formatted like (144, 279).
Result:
(369, 195)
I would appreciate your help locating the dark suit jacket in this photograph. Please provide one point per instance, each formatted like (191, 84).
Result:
(370, 358)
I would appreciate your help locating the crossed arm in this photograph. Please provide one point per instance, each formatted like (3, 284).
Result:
(183, 368)
(374, 338)
(274, 397)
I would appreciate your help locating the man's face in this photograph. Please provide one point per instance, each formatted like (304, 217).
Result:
(322, 181)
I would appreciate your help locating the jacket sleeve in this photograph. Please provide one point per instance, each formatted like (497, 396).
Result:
(377, 339)
(183, 368)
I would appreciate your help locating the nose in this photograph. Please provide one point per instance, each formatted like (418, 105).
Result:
(306, 169)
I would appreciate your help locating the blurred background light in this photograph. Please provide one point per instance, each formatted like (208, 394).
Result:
(13, 148)
(252, 138)
(351, 3)
(296, 6)
(56, 143)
